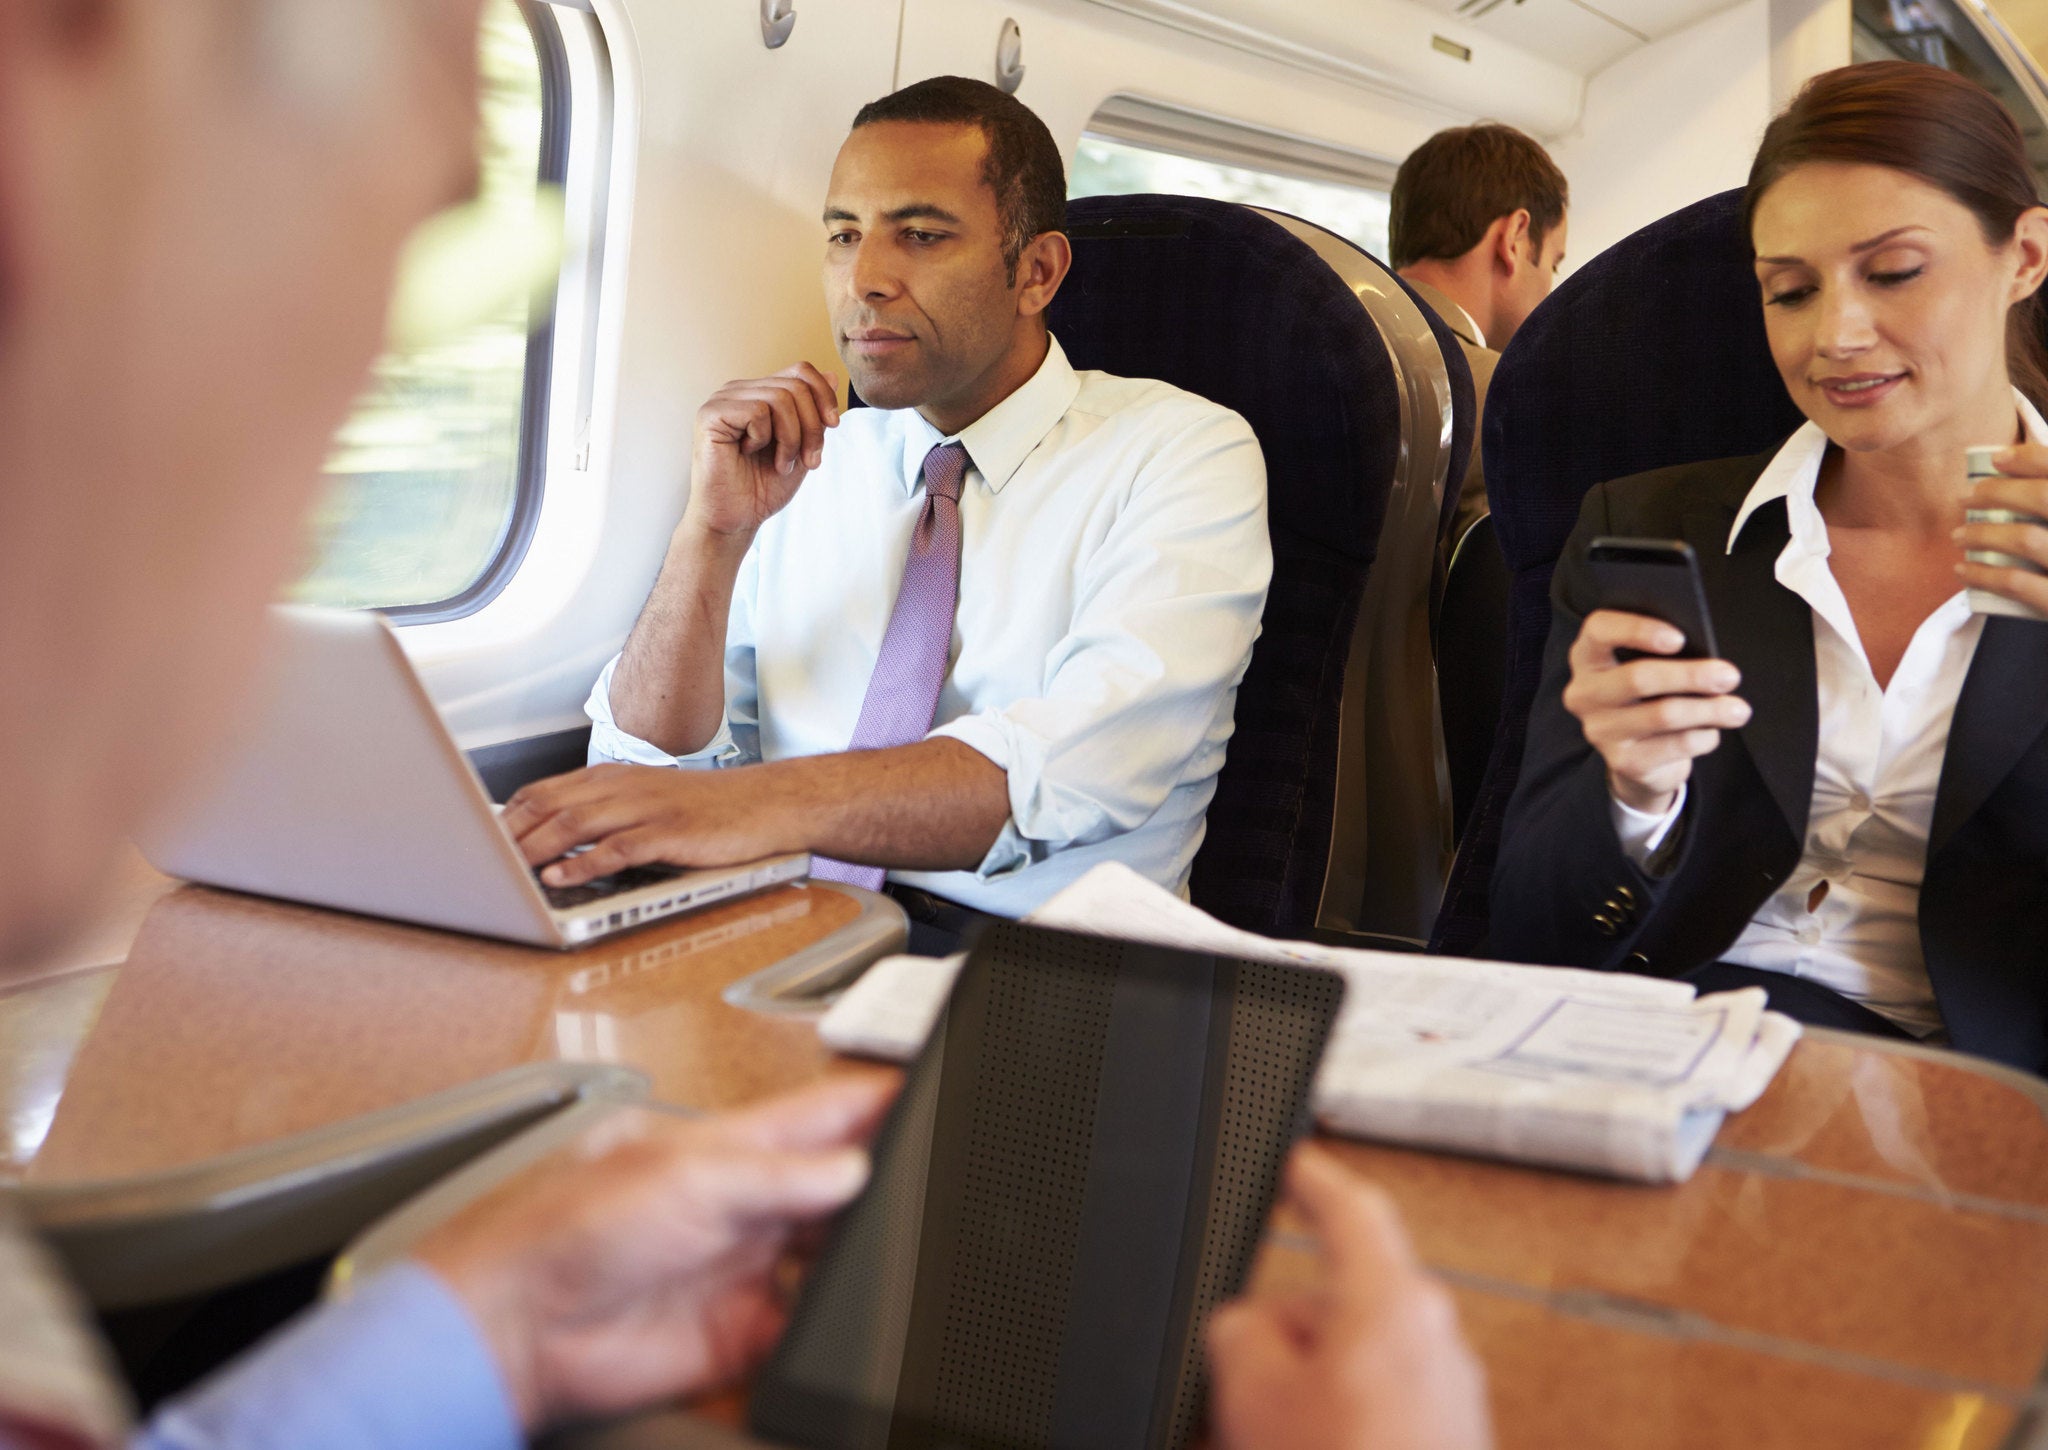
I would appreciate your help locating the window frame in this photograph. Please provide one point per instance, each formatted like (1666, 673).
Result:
(1129, 119)
(1137, 123)
(537, 387)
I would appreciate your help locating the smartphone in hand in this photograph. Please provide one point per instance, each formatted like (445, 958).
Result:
(1659, 578)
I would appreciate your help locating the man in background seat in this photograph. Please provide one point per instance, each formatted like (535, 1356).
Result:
(1477, 227)
(981, 635)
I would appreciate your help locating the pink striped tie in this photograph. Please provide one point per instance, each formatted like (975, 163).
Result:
(903, 692)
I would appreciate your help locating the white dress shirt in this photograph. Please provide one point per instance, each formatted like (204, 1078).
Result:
(1113, 569)
(1875, 774)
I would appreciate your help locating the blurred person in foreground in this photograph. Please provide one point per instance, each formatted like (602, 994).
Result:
(201, 207)
(1476, 225)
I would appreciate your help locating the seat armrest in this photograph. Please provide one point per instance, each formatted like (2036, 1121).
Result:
(391, 1238)
(157, 1237)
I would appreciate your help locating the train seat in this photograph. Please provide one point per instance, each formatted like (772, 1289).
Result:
(1471, 661)
(1331, 810)
(1650, 355)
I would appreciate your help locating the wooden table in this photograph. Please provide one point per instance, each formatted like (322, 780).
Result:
(1862, 1260)
(236, 1020)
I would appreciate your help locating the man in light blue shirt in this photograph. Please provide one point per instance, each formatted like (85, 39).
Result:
(201, 205)
(1087, 620)
(201, 208)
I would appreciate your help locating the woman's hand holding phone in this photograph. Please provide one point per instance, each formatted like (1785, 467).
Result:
(1649, 718)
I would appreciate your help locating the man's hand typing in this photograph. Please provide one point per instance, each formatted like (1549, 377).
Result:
(936, 805)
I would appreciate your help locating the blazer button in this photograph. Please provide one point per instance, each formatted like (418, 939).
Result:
(1638, 960)
(1605, 924)
(1625, 896)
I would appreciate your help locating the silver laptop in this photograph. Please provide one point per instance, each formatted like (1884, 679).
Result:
(346, 790)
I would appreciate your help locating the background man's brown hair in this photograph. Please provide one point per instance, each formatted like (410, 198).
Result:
(1459, 182)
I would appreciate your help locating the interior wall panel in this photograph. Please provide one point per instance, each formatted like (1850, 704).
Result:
(1673, 122)
(1078, 53)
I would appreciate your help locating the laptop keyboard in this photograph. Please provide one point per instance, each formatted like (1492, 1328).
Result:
(563, 898)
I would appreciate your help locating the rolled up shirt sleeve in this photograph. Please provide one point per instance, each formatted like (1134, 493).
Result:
(1139, 693)
(396, 1366)
(738, 738)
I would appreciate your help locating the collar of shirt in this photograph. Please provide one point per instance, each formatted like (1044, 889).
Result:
(1001, 439)
(1794, 472)
(1456, 318)
(1792, 475)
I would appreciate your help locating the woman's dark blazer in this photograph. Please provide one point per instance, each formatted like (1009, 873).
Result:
(1565, 893)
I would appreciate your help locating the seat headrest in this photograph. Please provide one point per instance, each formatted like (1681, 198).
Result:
(1652, 354)
(1214, 298)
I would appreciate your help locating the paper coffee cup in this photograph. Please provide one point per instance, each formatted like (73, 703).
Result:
(1983, 601)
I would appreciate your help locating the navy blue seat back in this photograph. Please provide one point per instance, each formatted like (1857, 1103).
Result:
(1214, 298)
(1650, 355)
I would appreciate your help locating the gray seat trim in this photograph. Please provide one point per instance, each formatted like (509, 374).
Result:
(1390, 847)
(155, 1237)
(809, 981)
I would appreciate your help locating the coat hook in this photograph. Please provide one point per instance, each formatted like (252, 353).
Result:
(1010, 58)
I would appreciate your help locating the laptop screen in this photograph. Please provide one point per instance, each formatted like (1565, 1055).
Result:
(1078, 1170)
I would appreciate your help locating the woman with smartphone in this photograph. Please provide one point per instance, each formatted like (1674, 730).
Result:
(1872, 846)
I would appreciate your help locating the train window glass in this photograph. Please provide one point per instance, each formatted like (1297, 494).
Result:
(1352, 202)
(435, 478)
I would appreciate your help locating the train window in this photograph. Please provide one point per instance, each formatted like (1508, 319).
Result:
(435, 479)
(1134, 145)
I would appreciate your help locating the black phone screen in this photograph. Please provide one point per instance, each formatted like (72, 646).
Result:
(1079, 1168)
(1659, 578)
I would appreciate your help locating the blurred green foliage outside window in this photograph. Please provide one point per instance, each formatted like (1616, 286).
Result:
(424, 476)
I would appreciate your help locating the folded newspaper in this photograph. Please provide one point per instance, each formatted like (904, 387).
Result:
(1595, 1071)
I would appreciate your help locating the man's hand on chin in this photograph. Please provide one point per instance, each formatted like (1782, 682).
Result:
(630, 815)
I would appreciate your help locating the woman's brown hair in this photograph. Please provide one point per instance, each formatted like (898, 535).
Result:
(1932, 124)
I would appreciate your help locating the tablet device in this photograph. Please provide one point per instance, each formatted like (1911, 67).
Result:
(1078, 1170)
